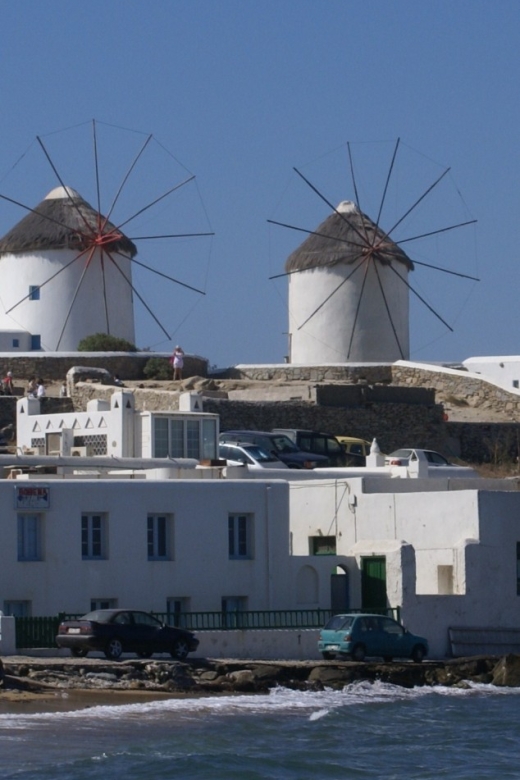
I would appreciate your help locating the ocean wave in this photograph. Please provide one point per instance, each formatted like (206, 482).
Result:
(317, 704)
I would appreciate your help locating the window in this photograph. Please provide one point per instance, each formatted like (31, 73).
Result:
(36, 342)
(232, 606)
(159, 537)
(93, 536)
(445, 580)
(29, 537)
(515, 383)
(322, 545)
(16, 343)
(176, 609)
(102, 604)
(17, 608)
(188, 438)
(34, 292)
(240, 536)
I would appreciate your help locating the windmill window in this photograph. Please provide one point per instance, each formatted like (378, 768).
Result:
(34, 292)
(36, 342)
(515, 383)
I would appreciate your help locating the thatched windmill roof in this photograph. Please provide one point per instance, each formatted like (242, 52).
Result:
(63, 220)
(345, 237)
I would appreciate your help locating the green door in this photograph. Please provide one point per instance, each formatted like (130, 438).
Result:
(373, 583)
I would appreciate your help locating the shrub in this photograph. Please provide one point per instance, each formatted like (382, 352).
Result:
(104, 342)
(158, 368)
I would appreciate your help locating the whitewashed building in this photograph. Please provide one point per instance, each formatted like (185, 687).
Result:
(115, 428)
(444, 552)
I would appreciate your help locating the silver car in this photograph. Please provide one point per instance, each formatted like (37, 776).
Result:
(250, 455)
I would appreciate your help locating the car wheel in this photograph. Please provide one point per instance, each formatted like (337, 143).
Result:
(358, 653)
(328, 656)
(418, 654)
(180, 649)
(78, 652)
(388, 659)
(113, 649)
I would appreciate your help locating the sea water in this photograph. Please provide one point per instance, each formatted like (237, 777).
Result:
(363, 731)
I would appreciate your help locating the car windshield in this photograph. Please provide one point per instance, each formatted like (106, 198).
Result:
(283, 444)
(99, 616)
(339, 622)
(260, 455)
(400, 454)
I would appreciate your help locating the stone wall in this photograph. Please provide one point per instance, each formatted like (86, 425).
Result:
(52, 366)
(484, 442)
(452, 384)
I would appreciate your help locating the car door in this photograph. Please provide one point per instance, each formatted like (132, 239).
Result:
(147, 632)
(123, 629)
(393, 639)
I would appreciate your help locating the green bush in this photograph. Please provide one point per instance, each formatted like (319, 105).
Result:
(158, 368)
(103, 342)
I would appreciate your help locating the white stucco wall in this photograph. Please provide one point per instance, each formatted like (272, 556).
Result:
(200, 569)
(503, 371)
(49, 315)
(127, 433)
(325, 338)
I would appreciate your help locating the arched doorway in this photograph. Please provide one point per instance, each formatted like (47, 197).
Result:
(339, 590)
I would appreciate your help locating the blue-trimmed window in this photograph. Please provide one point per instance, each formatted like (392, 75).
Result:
(34, 292)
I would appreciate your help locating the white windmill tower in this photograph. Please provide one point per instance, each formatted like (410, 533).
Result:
(349, 291)
(347, 299)
(66, 269)
(88, 260)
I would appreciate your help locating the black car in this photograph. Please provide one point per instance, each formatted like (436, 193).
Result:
(116, 631)
(279, 444)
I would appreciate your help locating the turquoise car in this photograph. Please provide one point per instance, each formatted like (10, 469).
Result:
(360, 634)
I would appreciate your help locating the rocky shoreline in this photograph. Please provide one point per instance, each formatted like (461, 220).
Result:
(26, 676)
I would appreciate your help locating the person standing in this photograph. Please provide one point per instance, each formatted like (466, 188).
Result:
(40, 390)
(177, 360)
(31, 387)
(7, 383)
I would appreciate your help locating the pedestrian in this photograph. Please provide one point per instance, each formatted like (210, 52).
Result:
(63, 390)
(7, 384)
(40, 389)
(31, 387)
(177, 361)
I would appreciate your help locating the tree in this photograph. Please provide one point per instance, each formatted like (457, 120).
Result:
(104, 342)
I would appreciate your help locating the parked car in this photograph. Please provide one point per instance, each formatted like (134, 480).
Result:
(438, 465)
(364, 634)
(249, 455)
(279, 445)
(117, 631)
(324, 443)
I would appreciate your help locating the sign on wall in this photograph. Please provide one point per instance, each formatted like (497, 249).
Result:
(32, 497)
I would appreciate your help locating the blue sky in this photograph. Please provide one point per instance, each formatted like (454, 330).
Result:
(238, 93)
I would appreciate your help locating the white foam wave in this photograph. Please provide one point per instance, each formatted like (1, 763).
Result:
(316, 703)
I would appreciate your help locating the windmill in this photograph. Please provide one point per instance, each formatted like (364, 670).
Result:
(349, 286)
(67, 267)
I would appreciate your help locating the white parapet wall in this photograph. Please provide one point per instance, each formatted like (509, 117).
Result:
(7, 635)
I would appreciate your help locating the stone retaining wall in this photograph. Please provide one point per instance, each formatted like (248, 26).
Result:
(52, 366)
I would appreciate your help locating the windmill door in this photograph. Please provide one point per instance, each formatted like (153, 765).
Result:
(373, 583)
